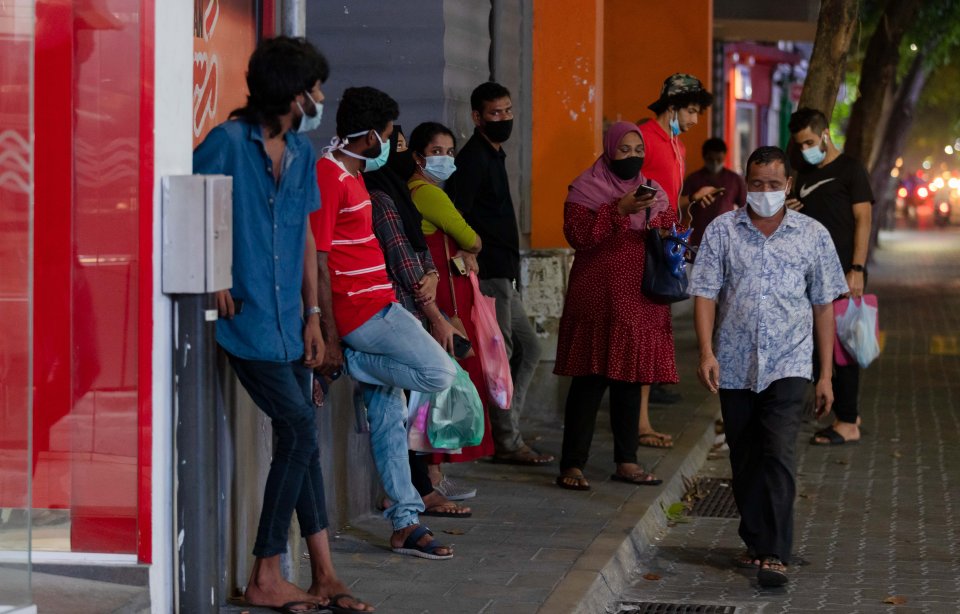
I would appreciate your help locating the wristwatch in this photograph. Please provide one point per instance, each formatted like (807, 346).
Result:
(312, 310)
(857, 267)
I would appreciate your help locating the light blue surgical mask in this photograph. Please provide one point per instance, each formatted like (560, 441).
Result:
(674, 125)
(371, 164)
(814, 155)
(310, 122)
(375, 164)
(440, 167)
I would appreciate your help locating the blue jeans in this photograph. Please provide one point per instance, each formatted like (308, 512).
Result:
(283, 391)
(389, 353)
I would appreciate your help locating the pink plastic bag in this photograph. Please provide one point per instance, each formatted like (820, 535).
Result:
(841, 357)
(493, 352)
(418, 411)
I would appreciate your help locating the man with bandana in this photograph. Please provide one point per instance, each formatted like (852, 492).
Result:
(480, 189)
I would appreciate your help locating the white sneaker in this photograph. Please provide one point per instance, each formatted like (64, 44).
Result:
(451, 491)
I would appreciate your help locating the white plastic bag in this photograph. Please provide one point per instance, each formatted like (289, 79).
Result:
(857, 330)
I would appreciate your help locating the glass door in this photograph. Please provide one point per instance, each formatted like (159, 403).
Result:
(17, 27)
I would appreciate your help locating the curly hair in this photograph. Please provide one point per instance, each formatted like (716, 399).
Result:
(365, 108)
(424, 134)
(279, 69)
(701, 98)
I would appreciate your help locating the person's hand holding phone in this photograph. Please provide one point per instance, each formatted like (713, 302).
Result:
(707, 195)
(637, 200)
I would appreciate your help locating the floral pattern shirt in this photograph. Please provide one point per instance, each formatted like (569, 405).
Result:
(765, 288)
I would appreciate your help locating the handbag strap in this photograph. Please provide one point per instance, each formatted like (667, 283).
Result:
(453, 295)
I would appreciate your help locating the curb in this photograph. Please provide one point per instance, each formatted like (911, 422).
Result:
(601, 574)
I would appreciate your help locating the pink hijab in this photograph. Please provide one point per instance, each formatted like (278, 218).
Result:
(598, 185)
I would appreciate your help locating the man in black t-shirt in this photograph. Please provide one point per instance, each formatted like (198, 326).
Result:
(834, 189)
(480, 189)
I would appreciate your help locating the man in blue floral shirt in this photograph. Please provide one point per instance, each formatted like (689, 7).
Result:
(764, 285)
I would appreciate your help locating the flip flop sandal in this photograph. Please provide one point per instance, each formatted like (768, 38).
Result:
(336, 608)
(639, 479)
(747, 560)
(439, 514)
(833, 438)
(659, 441)
(527, 457)
(412, 548)
(578, 486)
(291, 608)
(771, 578)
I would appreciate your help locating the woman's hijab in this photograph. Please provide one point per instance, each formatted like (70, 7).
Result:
(599, 185)
(391, 179)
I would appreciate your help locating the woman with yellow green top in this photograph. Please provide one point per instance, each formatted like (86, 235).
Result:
(449, 237)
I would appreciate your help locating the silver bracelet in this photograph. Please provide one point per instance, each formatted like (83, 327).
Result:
(312, 310)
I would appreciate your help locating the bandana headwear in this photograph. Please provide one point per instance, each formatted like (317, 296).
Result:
(676, 84)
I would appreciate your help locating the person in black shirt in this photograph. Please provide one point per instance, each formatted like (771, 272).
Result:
(480, 189)
(834, 189)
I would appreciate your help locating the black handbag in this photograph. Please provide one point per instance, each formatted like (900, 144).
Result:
(664, 271)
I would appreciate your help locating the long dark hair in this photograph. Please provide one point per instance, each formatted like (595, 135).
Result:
(423, 134)
(279, 69)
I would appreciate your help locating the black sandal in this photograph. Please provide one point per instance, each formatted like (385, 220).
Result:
(767, 576)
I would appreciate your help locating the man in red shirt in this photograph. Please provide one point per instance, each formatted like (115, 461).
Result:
(682, 100)
(714, 175)
(385, 348)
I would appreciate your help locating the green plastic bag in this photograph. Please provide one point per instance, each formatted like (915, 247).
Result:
(456, 414)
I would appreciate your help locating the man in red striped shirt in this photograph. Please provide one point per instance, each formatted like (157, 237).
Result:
(384, 347)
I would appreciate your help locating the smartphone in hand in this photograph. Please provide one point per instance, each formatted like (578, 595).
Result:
(645, 190)
(461, 346)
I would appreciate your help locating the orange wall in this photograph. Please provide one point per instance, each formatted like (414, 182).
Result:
(567, 107)
(644, 43)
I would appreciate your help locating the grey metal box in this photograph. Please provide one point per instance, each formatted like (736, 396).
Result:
(197, 212)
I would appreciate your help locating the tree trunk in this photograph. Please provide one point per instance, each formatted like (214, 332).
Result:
(877, 73)
(894, 137)
(835, 26)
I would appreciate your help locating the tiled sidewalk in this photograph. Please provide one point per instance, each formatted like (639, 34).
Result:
(526, 534)
(876, 520)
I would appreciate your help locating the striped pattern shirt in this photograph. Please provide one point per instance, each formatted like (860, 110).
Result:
(344, 229)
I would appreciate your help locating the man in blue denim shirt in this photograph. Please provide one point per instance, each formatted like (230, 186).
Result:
(766, 277)
(262, 328)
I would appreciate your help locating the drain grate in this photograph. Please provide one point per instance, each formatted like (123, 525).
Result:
(654, 607)
(718, 502)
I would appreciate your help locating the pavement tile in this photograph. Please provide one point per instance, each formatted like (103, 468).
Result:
(875, 519)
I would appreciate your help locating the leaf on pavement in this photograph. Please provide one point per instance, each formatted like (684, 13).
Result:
(651, 576)
(895, 600)
(454, 531)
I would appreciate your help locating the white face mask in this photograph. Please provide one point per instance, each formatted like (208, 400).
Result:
(766, 204)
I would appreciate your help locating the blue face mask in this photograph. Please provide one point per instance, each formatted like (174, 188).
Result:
(310, 122)
(375, 164)
(674, 125)
(814, 155)
(440, 167)
(370, 164)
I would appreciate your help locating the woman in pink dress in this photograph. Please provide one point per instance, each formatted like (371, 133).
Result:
(611, 335)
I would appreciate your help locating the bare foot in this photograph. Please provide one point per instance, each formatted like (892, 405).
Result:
(398, 537)
(335, 592)
(275, 593)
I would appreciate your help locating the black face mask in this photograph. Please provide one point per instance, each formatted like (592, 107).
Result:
(498, 132)
(627, 168)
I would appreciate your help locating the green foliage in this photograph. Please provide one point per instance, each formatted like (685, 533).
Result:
(676, 512)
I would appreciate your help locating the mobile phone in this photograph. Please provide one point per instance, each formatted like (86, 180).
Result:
(237, 306)
(459, 265)
(645, 190)
(461, 346)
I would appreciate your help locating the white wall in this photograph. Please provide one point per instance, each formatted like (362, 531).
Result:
(173, 149)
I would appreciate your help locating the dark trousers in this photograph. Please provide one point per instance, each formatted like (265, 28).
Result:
(761, 430)
(419, 474)
(282, 390)
(846, 389)
(580, 418)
